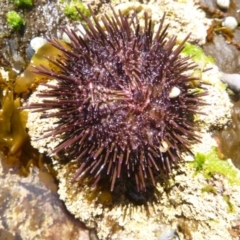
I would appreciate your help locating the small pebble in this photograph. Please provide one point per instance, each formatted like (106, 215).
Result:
(81, 31)
(224, 4)
(65, 38)
(230, 22)
(174, 92)
(164, 146)
(37, 43)
(168, 234)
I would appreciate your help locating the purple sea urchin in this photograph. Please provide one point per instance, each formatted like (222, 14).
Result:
(125, 102)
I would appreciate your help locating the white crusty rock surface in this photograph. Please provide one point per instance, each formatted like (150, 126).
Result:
(184, 17)
(205, 216)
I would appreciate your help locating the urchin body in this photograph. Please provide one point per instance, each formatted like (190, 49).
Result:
(125, 103)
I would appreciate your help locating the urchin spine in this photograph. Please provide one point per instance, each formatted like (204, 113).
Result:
(123, 100)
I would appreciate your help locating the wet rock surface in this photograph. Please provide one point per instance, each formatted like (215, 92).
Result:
(225, 50)
(223, 43)
(30, 208)
(43, 17)
(230, 63)
(229, 138)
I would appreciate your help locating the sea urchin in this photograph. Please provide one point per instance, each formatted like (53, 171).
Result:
(125, 103)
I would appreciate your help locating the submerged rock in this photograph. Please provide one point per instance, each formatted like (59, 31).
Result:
(30, 208)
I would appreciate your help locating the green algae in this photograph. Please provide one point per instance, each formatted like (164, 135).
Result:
(209, 189)
(209, 164)
(231, 208)
(14, 20)
(23, 3)
(202, 61)
(196, 53)
(71, 10)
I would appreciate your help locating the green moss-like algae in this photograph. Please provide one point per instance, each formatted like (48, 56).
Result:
(209, 164)
(14, 20)
(196, 53)
(23, 3)
(209, 189)
(203, 61)
(231, 207)
(71, 10)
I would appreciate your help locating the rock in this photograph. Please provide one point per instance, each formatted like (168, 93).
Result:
(226, 56)
(12, 54)
(209, 210)
(232, 80)
(30, 208)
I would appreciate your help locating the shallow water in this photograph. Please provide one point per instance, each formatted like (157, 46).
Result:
(229, 138)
